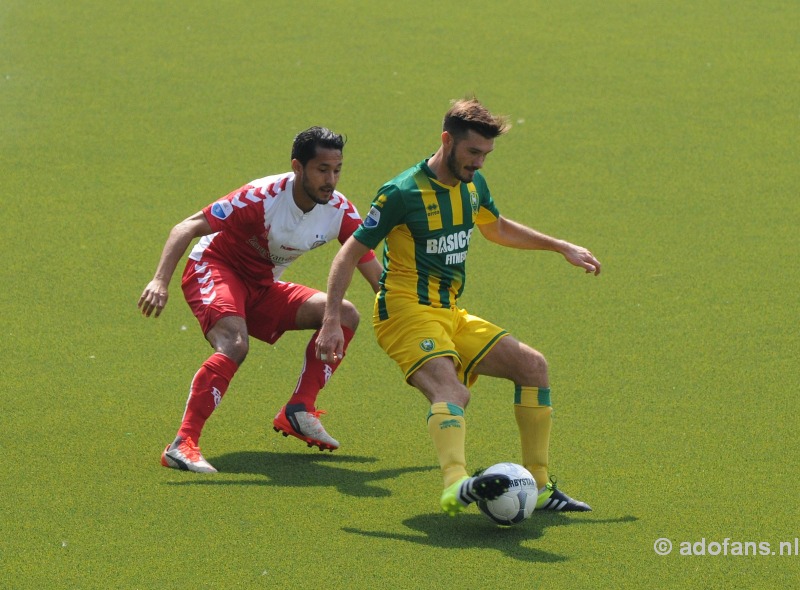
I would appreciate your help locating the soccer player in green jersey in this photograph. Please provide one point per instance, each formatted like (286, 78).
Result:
(426, 216)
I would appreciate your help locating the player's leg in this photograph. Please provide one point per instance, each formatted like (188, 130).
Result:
(316, 373)
(228, 338)
(438, 381)
(418, 340)
(527, 369)
(296, 307)
(214, 294)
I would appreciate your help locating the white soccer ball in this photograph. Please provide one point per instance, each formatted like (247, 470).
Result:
(518, 502)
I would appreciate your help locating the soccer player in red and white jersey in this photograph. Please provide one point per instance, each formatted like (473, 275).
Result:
(232, 284)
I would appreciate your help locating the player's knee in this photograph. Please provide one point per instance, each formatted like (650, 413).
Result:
(234, 346)
(350, 316)
(539, 362)
(533, 370)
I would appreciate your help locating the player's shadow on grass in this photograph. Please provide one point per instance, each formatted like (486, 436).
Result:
(474, 531)
(301, 470)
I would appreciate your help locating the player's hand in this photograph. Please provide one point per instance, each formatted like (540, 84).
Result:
(330, 343)
(582, 258)
(154, 298)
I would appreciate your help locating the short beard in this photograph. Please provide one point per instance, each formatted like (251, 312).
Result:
(311, 195)
(452, 166)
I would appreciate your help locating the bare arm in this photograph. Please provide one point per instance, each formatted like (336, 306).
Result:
(371, 271)
(515, 235)
(330, 340)
(155, 295)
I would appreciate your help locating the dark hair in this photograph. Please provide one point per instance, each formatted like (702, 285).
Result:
(468, 113)
(306, 143)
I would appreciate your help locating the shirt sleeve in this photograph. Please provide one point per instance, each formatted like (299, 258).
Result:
(236, 209)
(386, 212)
(487, 212)
(350, 223)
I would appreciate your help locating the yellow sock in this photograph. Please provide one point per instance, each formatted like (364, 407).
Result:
(534, 418)
(448, 430)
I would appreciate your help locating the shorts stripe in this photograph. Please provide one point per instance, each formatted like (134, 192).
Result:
(425, 359)
(383, 313)
(479, 357)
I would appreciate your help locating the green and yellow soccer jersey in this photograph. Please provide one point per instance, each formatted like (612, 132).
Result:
(427, 227)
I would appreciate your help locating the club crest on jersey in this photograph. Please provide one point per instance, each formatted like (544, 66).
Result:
(221, 209)
(427, 345)
(372, 218)
(474, 202)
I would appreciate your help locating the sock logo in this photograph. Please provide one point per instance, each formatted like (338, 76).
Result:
(217, 396)
(450, 424)
(328, 372)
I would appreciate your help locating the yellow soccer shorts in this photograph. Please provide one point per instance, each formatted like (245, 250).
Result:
(415, 333)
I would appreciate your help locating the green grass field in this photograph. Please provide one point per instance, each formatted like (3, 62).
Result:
(661, 135)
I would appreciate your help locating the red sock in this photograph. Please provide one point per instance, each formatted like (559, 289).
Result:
(315, 373)
(208, 386)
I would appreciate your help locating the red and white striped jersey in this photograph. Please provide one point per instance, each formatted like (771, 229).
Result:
(260, 230)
